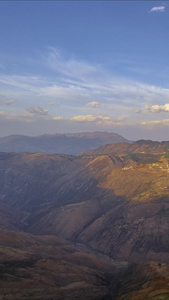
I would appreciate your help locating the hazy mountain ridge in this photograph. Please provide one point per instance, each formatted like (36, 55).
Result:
(71, 143)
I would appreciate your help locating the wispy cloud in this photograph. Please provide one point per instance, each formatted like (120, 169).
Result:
(8, 102)
(78, 81)
(158, 9)
(72, 85)
(24, 117)
(70, 67)
(63, 91)
(158, 108)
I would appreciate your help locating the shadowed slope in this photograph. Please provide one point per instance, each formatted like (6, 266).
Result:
(50, 268)
(116, 205)
(46, 267)
(107, 202)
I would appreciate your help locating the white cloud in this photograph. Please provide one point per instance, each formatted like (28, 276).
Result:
(58, 118)
(158, 9)
(93, 104)
(88, 118)
(31, 116)
(95, 119)
(158, 108)
(156, 122)
(37, 110)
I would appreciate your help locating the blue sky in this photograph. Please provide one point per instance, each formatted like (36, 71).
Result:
(71, 66)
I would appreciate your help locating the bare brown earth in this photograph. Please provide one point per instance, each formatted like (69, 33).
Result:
(50, 268)
(148, 281)
(60, 216)
(141, 146)
(47, 267)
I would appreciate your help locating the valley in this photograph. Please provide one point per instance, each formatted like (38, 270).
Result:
(90, 226)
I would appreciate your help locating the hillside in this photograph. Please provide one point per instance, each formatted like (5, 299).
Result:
(46, 267)
(141, 146)
(110, 203)
(105, 218)
(58, 143)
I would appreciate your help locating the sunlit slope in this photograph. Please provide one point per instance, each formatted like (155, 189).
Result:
(141, 146)
(116, 204)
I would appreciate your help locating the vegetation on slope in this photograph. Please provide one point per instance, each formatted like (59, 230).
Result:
(116, 205)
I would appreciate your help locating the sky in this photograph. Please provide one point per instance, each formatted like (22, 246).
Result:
(75, 66)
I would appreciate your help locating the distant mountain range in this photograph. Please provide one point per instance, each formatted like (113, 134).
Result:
(71, 143)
